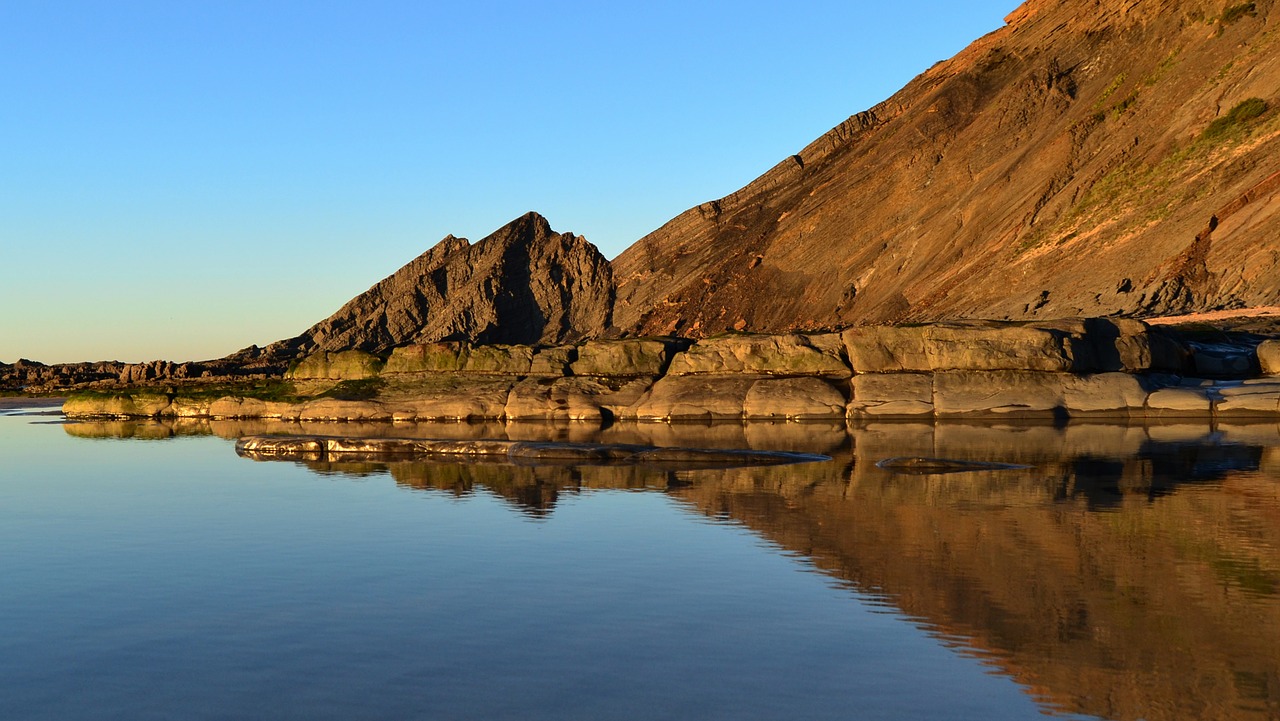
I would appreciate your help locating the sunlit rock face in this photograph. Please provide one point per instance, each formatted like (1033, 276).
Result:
(1092, 157)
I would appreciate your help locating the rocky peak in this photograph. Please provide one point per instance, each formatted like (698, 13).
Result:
(524, 283)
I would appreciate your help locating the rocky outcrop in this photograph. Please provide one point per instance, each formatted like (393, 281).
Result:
(1092, 157)
(524, 284)
(791, 354)
(339, 366)
(1051, 370)
(34, 377)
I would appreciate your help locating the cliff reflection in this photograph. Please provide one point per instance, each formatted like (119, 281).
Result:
(1131, 572)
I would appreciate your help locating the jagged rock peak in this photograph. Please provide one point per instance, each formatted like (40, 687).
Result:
(524, 283)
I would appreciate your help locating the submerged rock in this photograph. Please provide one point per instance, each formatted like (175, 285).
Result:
(313, 448)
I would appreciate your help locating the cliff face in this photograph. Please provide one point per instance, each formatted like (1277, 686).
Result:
(1091, 157)
(525, 283)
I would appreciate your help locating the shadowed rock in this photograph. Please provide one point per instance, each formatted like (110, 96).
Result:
(523, 284)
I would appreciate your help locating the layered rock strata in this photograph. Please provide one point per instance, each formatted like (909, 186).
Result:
(1091, 157)
(1067, 368)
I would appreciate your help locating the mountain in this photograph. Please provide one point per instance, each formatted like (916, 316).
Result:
(1091, 157)
(525, 283)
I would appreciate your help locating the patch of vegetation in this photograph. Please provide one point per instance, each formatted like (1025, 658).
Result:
(1242, 113)
(266, 390)
(1109, 91)
(1235, 12)
(355, 390)
(1119, 108)
(1154, 188)
(1162, 69)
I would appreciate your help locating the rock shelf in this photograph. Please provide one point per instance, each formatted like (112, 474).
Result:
(323, 448)
(1070, 368)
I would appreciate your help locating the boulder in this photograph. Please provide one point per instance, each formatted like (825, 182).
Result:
(461, 399)
(1030, 393)
(891, 395)
(1179, 401)
(512, 360)
(1222, 361)
(694, 397)
(183, 407)
(794, 399)
(1118, 344)
(236, 407)
(576, 399)
(553, 360)
(625, 358)
(792, 354)
(337, 366)
(1252, 399)
(1269, 357)
(1104, 394)
(886, 348)
(1001, 393)
(332, 409)
(445, 357)
(123, 405)
(956, 346)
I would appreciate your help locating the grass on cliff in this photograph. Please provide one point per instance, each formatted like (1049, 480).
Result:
(1152, 188)
(1234, 120)
(1235, 12)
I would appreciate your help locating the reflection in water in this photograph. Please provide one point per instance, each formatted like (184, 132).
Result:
(1130, 572)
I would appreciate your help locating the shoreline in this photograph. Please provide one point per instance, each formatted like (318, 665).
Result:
(1070, 368)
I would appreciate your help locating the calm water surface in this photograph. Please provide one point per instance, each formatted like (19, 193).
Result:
(147, 572)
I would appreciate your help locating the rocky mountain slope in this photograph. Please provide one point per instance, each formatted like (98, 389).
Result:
(525, 283)
(1091, 157)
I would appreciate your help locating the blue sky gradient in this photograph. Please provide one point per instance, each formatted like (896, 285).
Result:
(181, 180)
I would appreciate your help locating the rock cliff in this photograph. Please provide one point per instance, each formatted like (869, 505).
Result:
(1091, 157)
(525, 283)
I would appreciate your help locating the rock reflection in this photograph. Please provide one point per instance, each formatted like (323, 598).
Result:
(1128, 575)
(1131, 572)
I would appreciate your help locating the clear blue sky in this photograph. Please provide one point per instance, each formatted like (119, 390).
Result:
(182, 179)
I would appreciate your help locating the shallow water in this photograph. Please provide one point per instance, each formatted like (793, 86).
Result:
(1129, 572)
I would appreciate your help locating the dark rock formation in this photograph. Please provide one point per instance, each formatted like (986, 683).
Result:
(525, 283)
(1092, 157)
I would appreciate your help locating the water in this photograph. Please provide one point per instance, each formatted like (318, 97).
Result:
(150, 573)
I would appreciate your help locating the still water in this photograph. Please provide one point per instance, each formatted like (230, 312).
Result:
(148, 572)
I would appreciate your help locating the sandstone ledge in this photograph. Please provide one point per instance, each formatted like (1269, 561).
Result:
(314, 448)
(1065, 368)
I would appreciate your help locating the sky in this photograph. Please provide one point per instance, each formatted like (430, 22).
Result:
(180, 180)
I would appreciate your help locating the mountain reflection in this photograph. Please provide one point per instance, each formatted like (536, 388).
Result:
(1131, 572)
